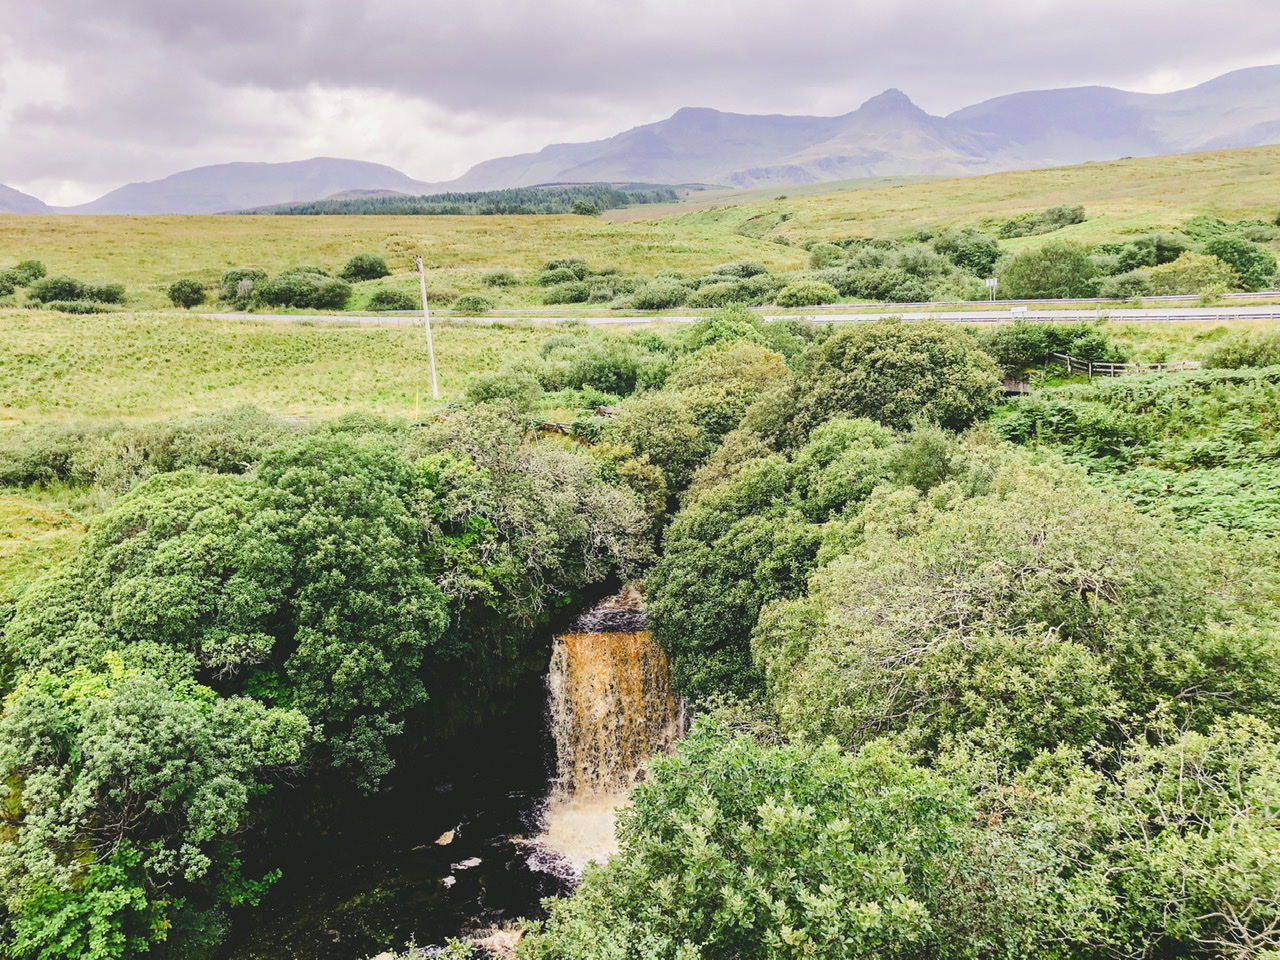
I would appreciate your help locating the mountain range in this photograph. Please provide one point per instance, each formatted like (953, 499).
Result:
(887, 136)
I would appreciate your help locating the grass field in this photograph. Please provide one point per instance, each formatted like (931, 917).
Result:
(1122, 198)
(58, 368)
(154, 250)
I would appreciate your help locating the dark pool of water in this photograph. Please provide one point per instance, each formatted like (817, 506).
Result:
(364, 874)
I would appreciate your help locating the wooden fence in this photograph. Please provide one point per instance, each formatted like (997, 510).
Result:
(1094, 369)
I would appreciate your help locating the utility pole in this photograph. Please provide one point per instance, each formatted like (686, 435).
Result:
(426, 320)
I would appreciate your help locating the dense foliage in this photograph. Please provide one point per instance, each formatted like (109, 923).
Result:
(221, 631)
(517, 201)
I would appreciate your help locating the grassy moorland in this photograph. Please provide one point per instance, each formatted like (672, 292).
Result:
(57, 368)
(1124, 198)
(146, 250)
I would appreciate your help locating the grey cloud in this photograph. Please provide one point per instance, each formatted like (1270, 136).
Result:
(163, 78)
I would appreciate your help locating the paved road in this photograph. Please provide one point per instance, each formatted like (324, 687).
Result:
(1165, 314)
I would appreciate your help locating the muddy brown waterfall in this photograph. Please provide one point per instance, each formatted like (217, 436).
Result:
(612, 708)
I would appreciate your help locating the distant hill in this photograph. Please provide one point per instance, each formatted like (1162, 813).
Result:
(888, 136)
(238, 186)
(15, 201)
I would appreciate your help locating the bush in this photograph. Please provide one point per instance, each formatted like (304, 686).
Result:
(75, 306)
(389, 299)
(823, 255)
(365, 266)
(1191, 273)
(660, 295)
(550, 278)
(304, 290)
(59, 288)
(29, 271)
(741, 269)
(1033, 224)
(186, 293)
(1258, 348)
(472, 304)
(576, 264)
(237, 285)
(304, 270)
(716, 295)
(8, 282)
(888, 371)
(575, 291)
(969, 250)
(104, 292)
(1253, 262)
(1126, 286)
(807, 293)
(515, 386)
(1056, 271)
(500, 278)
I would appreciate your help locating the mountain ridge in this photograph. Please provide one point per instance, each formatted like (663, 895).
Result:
(888, 135)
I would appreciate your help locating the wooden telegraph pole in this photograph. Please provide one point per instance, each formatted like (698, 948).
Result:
(426, 320)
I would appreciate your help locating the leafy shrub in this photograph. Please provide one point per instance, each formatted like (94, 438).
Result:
(888, 371)
(74, 306)
(1054, 271)
(442, 295)
(304, 270)
(8, 282)
(576, 265)
(392, 299)
(1191, 273)
(472, 304)
(969, 250)
(742, 269)
(186, 293)
(823, 255)
(1126, 286)
(237, 284)
(550, 278)
(514, 386)
(29, 271)
(1033, 224)
(660, 295)
(1255, 264)
(575, 291)
(1257, 348)
(104, 292)
(807, 293)
(715, 295)
(1022, 344)
(304, 289)
(500, 278)
(365, 266)
(56, 288)
(603, 289)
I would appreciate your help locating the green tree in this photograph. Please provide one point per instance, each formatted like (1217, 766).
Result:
(1254, 263)
(888, 371)
(1054, 271)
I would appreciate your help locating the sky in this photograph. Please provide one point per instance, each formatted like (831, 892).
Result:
(96, 94)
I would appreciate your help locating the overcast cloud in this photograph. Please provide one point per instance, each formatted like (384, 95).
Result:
(94, 94)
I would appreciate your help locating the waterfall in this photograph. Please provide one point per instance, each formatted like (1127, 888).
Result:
(612, 707)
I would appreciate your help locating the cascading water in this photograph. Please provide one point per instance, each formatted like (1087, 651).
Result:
(612, 708)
